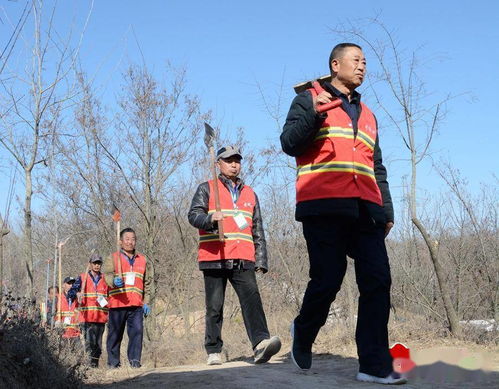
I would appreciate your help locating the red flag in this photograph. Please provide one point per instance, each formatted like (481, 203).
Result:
(116, 215)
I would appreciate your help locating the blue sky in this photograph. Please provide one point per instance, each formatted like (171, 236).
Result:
(228, 47)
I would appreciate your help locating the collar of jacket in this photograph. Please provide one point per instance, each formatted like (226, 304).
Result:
(331, 89)
(228, 183)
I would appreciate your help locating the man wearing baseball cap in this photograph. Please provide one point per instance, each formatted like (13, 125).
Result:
(236, 259)
(66, 315)
(91, 289)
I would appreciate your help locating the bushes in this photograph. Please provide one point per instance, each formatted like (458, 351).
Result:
(32, 356)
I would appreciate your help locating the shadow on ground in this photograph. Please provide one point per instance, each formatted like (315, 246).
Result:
(328, 371)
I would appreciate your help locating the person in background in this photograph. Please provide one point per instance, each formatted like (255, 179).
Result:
(66, 317)
(90, 289)
(128, 299)
(53, 293)
(236, 260)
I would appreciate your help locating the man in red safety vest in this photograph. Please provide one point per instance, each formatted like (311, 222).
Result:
(66, 316)
(242, 253)
(90, 289)
(344, 203)
(128, 299)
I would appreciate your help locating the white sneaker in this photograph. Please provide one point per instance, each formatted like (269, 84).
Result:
(391, 379)
(266, 348)
(214, 359)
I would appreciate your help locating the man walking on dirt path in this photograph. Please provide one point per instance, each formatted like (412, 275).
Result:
(128, 298)
(242, 253)
(344, 203)
(90, 289)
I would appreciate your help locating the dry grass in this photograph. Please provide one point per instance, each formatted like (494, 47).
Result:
(32, 356)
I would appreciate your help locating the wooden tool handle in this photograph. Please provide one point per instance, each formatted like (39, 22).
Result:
(221, 235)
(331, 105)
(84, 284)
(120, 270)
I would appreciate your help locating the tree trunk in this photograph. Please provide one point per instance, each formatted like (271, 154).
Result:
(150, 324)
(431, 244)
(28, 243)
(1, 265)
(442, 282)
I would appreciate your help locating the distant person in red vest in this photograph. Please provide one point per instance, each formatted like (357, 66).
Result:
(344, 203)
(236, 260)
(128, 299)
(67, 318)
(53, 293)
(90, 291)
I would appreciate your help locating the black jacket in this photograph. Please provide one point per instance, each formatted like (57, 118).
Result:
(199, 218)
(300, 129)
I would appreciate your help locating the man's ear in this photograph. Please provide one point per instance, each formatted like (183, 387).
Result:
(335, 64)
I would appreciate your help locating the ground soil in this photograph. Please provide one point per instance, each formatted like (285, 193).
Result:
(443, 368)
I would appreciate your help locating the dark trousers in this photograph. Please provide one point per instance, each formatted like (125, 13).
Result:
(244, 283)
(92, 333)
(329, 240)
(133, 318)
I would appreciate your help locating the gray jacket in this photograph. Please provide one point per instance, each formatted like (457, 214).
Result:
(199, 218)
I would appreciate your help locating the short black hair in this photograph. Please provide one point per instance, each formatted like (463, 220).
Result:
(53, 287)
(125, 230)
(338, 51)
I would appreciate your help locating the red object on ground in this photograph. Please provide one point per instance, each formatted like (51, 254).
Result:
(398, 350)
(403, 365)
(402, 362)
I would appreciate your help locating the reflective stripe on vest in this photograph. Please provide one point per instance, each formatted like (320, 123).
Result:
(71, 329)
(238, 243)
(339, 164)
(90, 310)
(128, 295)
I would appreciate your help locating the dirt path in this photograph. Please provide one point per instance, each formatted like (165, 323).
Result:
(328, 371)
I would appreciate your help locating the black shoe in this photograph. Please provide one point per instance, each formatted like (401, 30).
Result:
(302, 358)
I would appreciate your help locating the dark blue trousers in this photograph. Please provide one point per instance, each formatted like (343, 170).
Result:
(92, 332)
(133, 318)
(329, 240)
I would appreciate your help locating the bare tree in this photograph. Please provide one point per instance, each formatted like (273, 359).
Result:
(483, 232)
(4, 230)
(157, 130)
(14, 36)
(32, 102)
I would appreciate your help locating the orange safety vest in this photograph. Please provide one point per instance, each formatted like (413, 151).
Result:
(339, 164)
(90, 309)
(238, 243)
(68, 317)
(129, 295)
